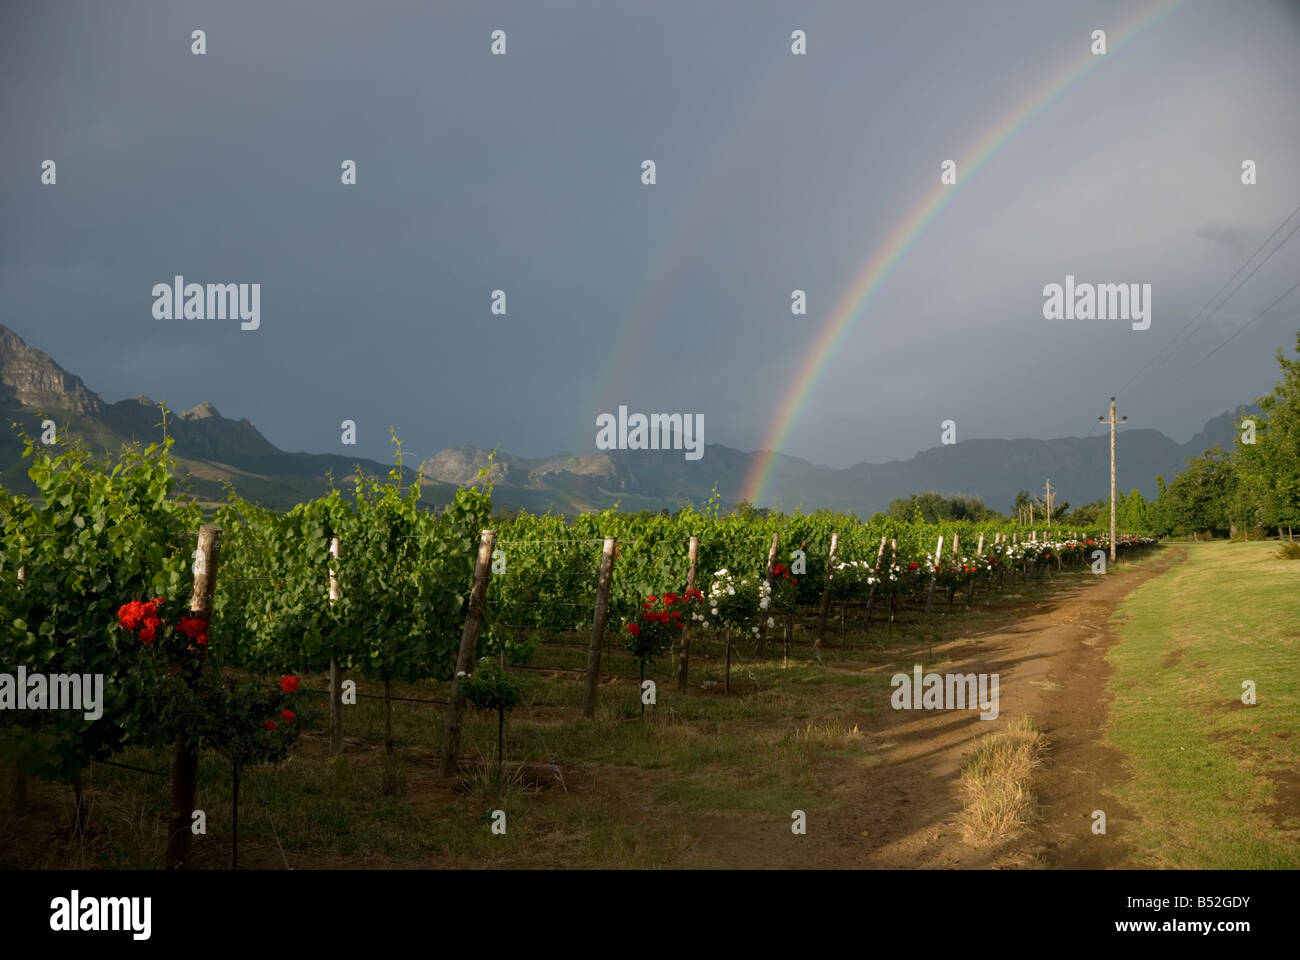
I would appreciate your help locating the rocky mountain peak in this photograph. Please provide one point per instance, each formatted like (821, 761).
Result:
(204, 411)
(31, 378)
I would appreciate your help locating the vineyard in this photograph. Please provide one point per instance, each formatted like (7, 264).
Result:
(366, 587)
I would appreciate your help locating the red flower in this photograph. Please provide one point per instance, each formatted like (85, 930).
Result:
(269, 725)
(795, 582)
(147, 634)
(634, 629)
(131, 615)
(651, 598)
(778, 569)
(680, 625)
(192, 627)
(670, 598)
(289, 684)
(693, 594)
(202, 639)
(287, 715)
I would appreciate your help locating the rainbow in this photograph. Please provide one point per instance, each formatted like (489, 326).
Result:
(905, 233)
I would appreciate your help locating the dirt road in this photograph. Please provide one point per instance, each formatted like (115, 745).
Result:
(1050, 657)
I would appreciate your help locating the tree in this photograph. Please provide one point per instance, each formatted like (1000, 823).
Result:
(1131, 513)
(1200, 496)
(932, 507)
(1089, 514)
(1160, 512)
(1269, 467)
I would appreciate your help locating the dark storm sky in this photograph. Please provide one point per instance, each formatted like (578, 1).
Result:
(522, 172)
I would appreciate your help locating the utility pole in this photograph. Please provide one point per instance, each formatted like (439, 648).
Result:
(1049, 503)
(1112, 421)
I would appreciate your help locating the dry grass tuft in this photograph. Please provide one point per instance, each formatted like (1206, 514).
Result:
(997, 801)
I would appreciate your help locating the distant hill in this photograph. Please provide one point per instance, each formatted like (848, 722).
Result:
(212, 449)
(994, 470)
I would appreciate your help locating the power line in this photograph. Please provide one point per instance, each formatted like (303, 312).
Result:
(1236, 288)
(1173, 345)
(1243, 327)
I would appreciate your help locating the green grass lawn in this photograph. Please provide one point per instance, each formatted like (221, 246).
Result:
(1215, 782)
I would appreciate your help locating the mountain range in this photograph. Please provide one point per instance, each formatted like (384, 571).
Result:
(212, 449)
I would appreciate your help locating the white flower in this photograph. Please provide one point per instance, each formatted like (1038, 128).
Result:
(706, 623)
(714, 611)
(755, 631)
(770, 623)
(731, 591)
(762, 604)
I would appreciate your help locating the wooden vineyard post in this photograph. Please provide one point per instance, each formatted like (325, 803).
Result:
(598, 627)
(185, 761)
(826, 594)
(934, 574)
(455, 716)
(893, 594)
(979, 554)
(763, 614)
(693, 554)
(336, 673)
(871, 594)
(789, 629)
(952, 591)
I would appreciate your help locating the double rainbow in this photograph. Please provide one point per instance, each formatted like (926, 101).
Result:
(900, 239)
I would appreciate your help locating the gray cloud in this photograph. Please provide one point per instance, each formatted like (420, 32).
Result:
(522, 172)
